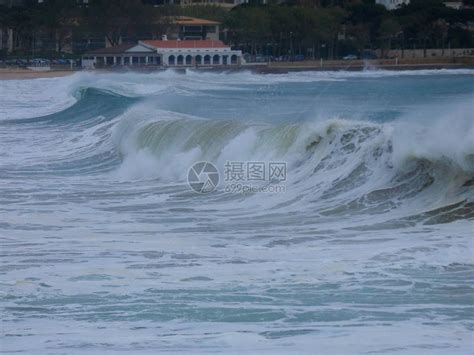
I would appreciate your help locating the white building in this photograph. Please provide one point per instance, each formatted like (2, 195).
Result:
(392, 4)
(457, 5)
(194, 53)
(164, 53)
(121, 55)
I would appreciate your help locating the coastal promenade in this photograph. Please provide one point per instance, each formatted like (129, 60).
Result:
(355, 65)
(15, 73)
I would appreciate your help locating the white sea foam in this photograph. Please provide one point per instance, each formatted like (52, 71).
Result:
(107, 249)
(438, 134)
(40, 97)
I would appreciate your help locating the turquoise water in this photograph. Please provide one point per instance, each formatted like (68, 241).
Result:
(368, 247)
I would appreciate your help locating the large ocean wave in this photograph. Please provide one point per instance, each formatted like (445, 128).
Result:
(368, 248)
(336, 166)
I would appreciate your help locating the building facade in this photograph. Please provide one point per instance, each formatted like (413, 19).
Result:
(223, 3)
(121, 55)
(392, 4)
(164, 53)
(189, 28)
(456, 5)
(194, 53)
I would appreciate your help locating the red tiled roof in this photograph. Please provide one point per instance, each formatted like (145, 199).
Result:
(185, 44)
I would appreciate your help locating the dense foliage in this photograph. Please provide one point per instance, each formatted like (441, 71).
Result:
(314, 28)
(333, 28)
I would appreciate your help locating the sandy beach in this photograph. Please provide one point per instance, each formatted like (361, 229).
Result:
(265, 68)
(19, 73)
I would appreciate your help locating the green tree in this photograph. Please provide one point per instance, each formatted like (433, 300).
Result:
(389, 29)
(249, 27)
(19, 20)
(119, 18)
(56, 19)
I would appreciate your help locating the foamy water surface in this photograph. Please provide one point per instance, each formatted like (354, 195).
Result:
(106, 249)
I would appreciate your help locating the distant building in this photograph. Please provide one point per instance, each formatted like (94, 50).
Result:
(457, 5)
(223, 3)
(194, 53)
(164, 53)
(184, 27)
(121, 55)
(392, 4)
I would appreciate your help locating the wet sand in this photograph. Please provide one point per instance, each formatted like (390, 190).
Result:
(274, 68)
(18, 73)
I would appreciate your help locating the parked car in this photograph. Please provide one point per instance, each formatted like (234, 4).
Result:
(63, 61)
(298, 58)
(350, 57)
(21, 63)
(40, 62)
(282, 58)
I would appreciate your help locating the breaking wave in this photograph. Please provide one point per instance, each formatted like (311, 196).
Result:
(103, 238)
(342, 167)
(336, 166)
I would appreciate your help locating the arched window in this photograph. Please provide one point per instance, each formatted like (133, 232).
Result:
(207, 59)
(215, 59)
(198, 60)
(189, 60)
(180, 60)
(171, 60)
(233, 59)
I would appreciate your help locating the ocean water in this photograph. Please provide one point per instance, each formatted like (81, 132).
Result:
(367, 249)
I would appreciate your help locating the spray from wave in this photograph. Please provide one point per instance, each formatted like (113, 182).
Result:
(336, 166)
(372, 236)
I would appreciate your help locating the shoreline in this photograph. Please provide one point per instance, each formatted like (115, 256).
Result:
(24, 74)
(283, 69)
(278, 68)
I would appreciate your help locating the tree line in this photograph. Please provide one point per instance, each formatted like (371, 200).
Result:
(313, 28)
(318, 28)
